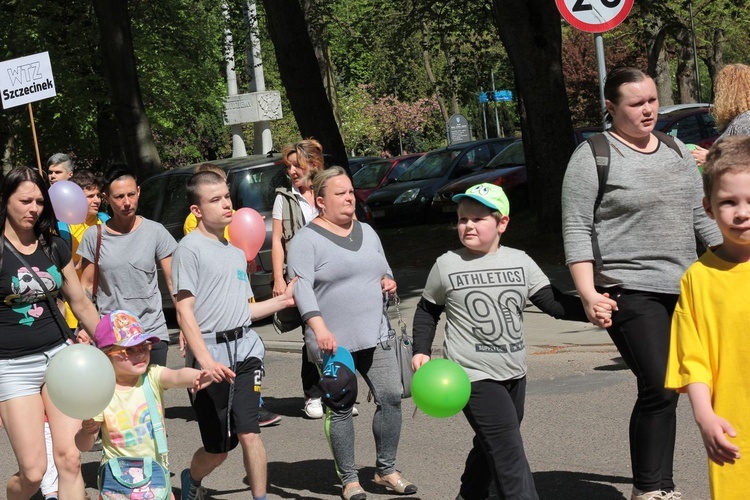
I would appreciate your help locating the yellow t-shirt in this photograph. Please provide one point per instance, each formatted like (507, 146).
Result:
(191, 223)
(126, 422)
(76, 235)
(709, 344)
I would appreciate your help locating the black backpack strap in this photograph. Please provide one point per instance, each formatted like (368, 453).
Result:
(600, 148)
(668, 140)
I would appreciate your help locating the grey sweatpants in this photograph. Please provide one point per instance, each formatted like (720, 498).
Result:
(379, 368)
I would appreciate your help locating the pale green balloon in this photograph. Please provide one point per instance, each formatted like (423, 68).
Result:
(80, 381)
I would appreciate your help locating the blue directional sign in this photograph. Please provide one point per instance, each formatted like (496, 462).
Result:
(482, 97)
(503, 95)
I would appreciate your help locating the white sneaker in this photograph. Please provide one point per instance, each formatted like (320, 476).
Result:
(355, 411)
(314, 408)
(650, 495)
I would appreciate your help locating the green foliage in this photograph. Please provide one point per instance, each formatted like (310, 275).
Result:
(378, 49)
(178, 50)
(66, 122)
(371, 124)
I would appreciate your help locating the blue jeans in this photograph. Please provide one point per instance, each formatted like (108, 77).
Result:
(379, 368)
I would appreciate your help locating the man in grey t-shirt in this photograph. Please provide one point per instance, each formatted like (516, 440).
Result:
(214, 310)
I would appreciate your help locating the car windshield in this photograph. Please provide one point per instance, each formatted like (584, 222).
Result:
(256, 187)
(511, 156)
(371, 174)
(430, 166)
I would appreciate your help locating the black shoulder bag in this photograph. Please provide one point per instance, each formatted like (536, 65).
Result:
(66, 333)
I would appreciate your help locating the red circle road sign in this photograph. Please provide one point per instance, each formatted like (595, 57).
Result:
(594, 16)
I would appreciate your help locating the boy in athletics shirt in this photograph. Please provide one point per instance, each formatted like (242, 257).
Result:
(483, 289)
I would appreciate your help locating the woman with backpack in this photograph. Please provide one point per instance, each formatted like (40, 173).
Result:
(629, 222)
(293, 208)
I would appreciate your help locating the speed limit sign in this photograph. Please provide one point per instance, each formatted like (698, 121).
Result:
(594, 16)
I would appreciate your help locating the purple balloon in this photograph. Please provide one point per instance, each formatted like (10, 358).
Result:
(69, 202)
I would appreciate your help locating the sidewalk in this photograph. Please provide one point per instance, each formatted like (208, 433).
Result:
(542, 331)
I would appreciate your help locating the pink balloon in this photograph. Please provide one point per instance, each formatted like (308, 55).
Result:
(247, 231)
(69, 202)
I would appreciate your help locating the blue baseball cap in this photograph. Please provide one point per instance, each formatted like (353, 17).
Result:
(342, 356)
(338, 383)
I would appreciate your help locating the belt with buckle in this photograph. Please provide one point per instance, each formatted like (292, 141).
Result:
(229, 335)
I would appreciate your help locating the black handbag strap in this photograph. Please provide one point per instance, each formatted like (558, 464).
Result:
(64, 329)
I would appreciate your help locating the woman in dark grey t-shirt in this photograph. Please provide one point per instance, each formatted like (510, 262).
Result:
(132, 247)
(644, 226)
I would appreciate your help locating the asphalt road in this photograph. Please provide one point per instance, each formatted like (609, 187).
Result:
(575, 429)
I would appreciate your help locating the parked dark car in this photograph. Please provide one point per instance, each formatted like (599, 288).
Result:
(507, 169)
(408, 199)
(692, 125)
(357, 162)
(252, 182)
(379, 173)
(583, 133)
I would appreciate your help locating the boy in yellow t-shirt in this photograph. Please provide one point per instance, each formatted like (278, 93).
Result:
(121, 337)
(708, 358)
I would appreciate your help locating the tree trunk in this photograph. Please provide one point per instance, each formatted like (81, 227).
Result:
(300, 75)
(715, 59)
(686, 84)
(118, 62)
(110, 150)
(427, 61)
(319, 37)
(530, 31)
(447, 44)
(658, 63)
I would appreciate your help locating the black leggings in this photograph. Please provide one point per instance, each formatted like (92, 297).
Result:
(640, 330)
(310, 376)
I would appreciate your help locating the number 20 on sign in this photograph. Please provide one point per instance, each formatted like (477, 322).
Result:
(594, 16)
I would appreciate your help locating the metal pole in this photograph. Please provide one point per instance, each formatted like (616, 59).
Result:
(484, 116)
(695, 53)
(238, 143)
(497, 121)
(602, 67)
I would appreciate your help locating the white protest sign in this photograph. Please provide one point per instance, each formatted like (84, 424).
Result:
(26, 79)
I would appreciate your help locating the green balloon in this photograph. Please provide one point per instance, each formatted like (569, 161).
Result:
(440, 388)
(80, 381)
